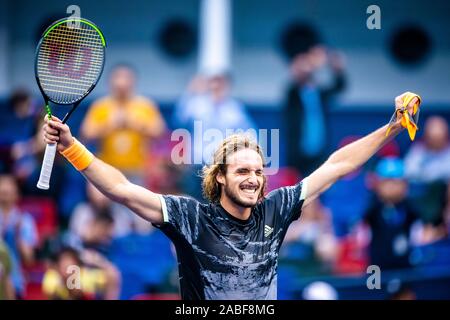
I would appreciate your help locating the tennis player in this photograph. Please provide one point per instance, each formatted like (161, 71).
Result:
(228, 248)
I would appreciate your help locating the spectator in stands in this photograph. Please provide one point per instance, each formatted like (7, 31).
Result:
(85, 212)
(86, 276)
(429, 160)
(123, 124)
(97, 234)
(208, 102)
(306, 107)
(17, 126)
(21, 131)
(17, 229)
(427, 166)
(434, 249)
(390, 217)
(311, 241)
(6, 285)
(93, 242)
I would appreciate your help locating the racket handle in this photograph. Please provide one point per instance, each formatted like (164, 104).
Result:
(47, 166)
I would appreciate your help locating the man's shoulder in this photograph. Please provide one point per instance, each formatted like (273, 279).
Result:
(100, 108)
(141, 101)
(103, 102)
(280, 191)
(283, 199)
(183, 202)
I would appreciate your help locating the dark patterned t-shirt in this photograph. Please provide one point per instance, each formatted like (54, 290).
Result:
(222, 257)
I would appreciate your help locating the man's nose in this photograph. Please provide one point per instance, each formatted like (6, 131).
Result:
(252, 177)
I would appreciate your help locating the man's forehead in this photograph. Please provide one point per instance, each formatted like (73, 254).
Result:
(9, 181)
(246, 157)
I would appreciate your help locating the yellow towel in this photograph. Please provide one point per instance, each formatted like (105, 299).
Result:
(408, 121)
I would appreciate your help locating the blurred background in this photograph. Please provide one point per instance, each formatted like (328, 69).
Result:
(321, 72)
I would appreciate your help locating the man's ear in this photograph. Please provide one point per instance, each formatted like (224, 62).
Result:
(220, 178)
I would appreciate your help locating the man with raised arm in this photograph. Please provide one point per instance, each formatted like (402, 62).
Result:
(228, 248)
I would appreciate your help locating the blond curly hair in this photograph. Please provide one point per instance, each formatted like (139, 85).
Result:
(230, 145)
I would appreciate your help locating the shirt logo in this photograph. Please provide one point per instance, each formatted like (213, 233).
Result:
(267, 231)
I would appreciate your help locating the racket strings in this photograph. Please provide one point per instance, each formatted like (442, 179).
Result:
(70, 60)
(84, 78)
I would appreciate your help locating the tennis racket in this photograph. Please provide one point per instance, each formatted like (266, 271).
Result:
(69, 62)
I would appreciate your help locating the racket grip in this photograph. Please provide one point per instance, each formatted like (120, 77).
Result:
(47, 166)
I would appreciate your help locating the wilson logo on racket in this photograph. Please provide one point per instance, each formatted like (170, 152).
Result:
(73, 66)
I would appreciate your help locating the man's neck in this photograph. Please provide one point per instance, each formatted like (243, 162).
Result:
(218, 97)
(122, 99)
(6, 209)
(237, 211)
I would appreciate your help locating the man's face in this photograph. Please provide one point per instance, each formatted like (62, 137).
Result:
(122, 82)
(65, 262)
(302, 68)
(9, 193)
(436, 133)
(22, 108)
(244, 178)
(392, 190)
(218, 86)
(101, 232)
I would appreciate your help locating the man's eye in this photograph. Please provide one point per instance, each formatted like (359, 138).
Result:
(259, 172)
(242, 171)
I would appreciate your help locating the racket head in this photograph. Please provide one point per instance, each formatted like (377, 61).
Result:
(70, 58)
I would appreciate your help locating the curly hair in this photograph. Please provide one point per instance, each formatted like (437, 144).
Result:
(230, 145)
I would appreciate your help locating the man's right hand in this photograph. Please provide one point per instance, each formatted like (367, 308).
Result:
(57, 132)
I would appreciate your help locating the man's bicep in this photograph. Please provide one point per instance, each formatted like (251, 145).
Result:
(145, 203)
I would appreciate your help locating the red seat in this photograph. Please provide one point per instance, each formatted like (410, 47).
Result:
(157, 296)
(352, 255)
(43, 210)
(34, 292)
(33, 276)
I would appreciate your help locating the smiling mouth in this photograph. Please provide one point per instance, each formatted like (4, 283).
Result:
(249, 190)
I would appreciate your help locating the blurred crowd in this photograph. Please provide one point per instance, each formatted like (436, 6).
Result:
(71, 242)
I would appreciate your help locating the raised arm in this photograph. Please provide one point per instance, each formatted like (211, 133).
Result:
(352, 156)
(108, 180)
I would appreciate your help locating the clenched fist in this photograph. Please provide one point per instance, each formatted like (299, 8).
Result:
(57, 132)
(399, 100)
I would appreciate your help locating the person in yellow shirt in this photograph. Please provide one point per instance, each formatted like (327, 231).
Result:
(81, 276)
(123, 124)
